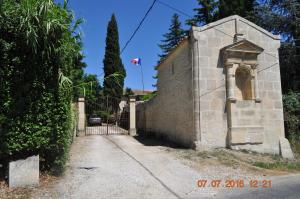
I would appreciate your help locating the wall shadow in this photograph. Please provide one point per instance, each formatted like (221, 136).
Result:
(152, 140)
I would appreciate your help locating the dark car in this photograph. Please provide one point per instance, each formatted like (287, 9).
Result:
(95, 120)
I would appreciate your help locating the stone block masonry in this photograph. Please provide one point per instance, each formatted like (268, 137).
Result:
(220, 87)
(23, 173)
(285, 149)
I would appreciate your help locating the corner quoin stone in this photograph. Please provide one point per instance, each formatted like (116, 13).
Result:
(285, 149)
(23, 173)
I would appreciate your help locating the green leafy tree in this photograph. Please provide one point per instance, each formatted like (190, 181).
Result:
(40, 47)
(243, 8)
(114, 71)
(172, 38)
(78, 77)
(205, 13)
(283, 17)
(213, 10)
(291, 103)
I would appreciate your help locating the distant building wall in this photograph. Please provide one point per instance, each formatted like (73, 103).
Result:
(170, 112)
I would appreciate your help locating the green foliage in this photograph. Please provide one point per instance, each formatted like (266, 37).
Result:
(291, 102)
(281, 17)
(128, 92)
(113, 84)
(279, 165)
(206, 13)
(40, 49)
(172, 38)
(148, 96)
(213, 10)
(243, 8)
(289, 67)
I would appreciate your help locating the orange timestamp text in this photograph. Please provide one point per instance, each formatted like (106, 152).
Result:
(230, 183)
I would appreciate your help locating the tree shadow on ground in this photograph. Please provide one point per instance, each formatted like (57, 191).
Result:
(149, 140)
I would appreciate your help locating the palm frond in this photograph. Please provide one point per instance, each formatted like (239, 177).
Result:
(64, 81)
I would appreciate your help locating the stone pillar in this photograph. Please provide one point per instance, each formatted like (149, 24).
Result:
(231, 82)
(256, 90)
(81, 117)
(132, 117)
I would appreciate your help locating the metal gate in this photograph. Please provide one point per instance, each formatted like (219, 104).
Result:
(106, 116)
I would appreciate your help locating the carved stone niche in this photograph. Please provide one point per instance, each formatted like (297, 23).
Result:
(243, 102)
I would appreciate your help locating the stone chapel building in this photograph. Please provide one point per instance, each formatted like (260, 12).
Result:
(220, 87)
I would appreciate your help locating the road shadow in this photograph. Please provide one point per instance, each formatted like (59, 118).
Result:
(148, 140)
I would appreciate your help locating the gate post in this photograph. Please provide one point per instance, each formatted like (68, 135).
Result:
(81, 117)
(132, 117)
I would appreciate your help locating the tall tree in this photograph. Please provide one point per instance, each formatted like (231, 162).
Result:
(212, 10)
(205, 13)
(172, 38)
(283, 17)
(114, 71)
(243, 8)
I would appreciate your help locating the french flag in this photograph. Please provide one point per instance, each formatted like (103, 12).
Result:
(137, 61)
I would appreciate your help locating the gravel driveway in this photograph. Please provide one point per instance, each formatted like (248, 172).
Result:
(118, 166)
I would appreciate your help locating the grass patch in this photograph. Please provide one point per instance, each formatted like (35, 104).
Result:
(279, 165)
(296, 147)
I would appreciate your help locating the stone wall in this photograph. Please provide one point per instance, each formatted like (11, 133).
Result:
(213, 109)
(212, 88)
(191, 106)
(170, 112)
(269, 83)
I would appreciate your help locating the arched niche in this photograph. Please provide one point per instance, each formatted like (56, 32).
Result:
(243, 84)
(240, 61)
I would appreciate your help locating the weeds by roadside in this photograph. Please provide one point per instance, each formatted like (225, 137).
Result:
(279, 165)
(239, 159)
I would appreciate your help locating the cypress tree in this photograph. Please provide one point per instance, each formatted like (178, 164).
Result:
(114, 71)
(172, 38)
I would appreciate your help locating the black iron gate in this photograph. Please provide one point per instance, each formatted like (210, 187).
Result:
(106, 116)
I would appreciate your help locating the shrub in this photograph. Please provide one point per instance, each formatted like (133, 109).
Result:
(291, 102)
(39, 48)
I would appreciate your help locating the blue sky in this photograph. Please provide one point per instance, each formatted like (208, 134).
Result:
(97, 13)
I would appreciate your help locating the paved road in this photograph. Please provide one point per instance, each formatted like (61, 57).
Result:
(283, 187)
(118, 166)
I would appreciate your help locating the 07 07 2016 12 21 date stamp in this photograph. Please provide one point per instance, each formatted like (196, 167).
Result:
(238, 183)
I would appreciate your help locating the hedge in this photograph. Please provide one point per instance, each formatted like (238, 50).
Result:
(39, 49)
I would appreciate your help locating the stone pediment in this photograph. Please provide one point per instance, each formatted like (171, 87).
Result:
(243, 46)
